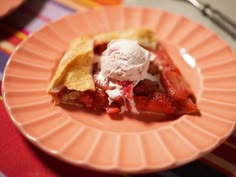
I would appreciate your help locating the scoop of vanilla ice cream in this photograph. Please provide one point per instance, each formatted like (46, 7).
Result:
(125, 60)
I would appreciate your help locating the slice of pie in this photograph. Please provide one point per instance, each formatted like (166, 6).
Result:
(121, 71)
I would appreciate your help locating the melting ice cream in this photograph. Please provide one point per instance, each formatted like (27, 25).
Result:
(125, 60)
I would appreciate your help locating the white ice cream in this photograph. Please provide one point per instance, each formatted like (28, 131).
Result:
(125, 60)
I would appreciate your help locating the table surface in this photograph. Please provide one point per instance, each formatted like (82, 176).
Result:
(19, 158)
(186, 9)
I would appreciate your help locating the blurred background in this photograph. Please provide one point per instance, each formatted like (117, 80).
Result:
(182, 7)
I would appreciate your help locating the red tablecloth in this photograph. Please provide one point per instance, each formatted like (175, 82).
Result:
(19, 158)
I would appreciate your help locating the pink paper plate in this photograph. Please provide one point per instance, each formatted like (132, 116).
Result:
(7, 6)
(127, 144)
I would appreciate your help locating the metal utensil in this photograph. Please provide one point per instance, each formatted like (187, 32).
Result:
(216, 16)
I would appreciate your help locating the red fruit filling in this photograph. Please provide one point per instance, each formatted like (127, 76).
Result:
(170, 95)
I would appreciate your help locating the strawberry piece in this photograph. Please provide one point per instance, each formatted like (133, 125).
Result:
(186, 107)
(153, 68)
(175, 86)
(112, 110)
(146, 87)
(189, 106)
(141, 102)
(100, 99)
(164, 61)
(98, 49)
(158, 103)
